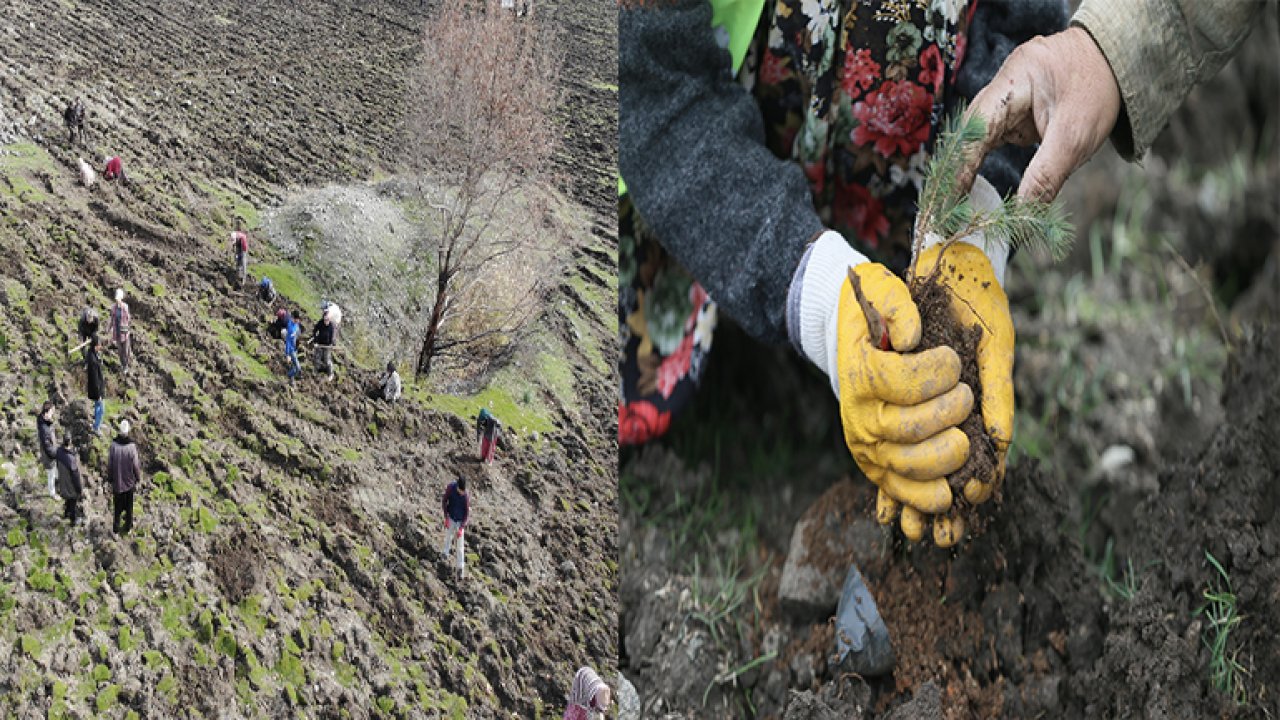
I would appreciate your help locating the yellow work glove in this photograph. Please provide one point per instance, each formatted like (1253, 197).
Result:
(899, 411)
(978, 299)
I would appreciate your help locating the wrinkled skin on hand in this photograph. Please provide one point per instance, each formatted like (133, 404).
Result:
(1058, 91)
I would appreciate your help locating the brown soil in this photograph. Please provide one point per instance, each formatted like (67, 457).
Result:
(938, 328)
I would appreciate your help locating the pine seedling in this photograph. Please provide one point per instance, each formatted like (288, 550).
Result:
(945, 211)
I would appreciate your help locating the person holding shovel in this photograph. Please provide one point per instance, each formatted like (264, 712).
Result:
(768, 148)
(457, 510)
(324, 337)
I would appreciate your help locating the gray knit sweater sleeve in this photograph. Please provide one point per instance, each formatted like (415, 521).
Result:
(998, 27)
(691, 150)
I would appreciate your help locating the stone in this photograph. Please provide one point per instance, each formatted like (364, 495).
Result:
(812, 576)
(862, 639)
(628, 699)
(926, 704)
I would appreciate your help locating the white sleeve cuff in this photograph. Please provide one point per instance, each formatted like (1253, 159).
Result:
(825, 273)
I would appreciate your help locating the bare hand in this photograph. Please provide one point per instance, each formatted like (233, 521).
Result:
(1057, 90)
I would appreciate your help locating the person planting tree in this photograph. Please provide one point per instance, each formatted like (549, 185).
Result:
(771, 171)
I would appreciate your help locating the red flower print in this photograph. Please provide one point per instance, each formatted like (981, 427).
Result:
(931, 69)
(895, 118)
(773, 71)
(856, 208)
(962, 42)
(639, 422)
(675, 366)
(860, 72)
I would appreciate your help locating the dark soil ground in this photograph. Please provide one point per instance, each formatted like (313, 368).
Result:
(1144, 446)
(285, 562)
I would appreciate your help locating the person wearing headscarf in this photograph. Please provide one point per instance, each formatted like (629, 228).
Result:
(589, 695)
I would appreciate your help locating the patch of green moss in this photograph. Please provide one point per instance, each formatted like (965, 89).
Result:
(42, 581)
(107, 698)
(155, 660)
(290, 282)
(30, 646)
(16, 537)
(237, 342)
(124, 639)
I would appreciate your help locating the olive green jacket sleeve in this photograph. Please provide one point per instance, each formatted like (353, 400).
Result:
(1159, 50)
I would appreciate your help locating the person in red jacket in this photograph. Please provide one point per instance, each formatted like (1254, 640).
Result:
(114, 169)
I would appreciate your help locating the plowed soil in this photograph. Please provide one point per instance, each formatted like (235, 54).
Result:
(285, 562)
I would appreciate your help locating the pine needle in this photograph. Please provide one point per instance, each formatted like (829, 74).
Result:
(1020, 223)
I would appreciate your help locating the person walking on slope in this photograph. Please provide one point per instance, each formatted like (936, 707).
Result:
(323, 337)
(73, 119)
(390, 383)
(124, 471)
(70, 484)
(118, 330)
(240, 244)
(487, 429)
(48, 445)
(94, 381)
(589, 695)
(457, 510)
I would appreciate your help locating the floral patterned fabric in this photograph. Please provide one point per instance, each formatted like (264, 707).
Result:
(853, 90)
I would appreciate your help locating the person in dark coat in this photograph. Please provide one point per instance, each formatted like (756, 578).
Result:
(70, 484)
(124, 471)
(48, 445)
(95, 384)
(323, 336)
(87, 327)
(457, 510)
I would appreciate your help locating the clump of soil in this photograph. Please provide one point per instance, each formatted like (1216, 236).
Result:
(938, 326)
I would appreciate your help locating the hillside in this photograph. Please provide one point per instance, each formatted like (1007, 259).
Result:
(284, 561)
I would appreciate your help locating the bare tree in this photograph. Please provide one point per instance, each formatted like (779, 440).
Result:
(481, 135)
